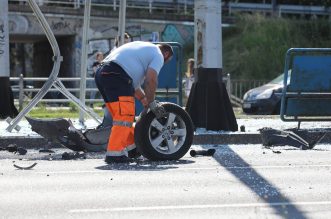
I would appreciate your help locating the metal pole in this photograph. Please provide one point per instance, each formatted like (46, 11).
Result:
(185, 7)
(21, 93)
(121, 21)
(114, 5)
(57, 58)
(274, 7)
(208, 34)
(52, 80)
(4, 40)
(150, 6)
(83, 66)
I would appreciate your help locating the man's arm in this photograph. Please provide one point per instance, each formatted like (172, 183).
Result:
(140, 95)
(150, 84)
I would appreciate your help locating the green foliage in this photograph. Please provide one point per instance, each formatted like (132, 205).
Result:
(73, 107)
(255, 47)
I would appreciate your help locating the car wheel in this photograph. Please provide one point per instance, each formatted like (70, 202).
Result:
(166, 138)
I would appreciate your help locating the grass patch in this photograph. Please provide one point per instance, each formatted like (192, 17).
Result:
(42, 111)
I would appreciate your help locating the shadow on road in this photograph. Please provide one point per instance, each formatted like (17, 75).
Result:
(231, 161)
(145, 165)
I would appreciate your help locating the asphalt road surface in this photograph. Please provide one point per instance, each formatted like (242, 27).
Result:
(239, 181)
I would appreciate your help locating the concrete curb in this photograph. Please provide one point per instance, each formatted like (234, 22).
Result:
(33, 142)
(30, 142)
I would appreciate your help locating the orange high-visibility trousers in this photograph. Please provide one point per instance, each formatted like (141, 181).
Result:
(121, 139)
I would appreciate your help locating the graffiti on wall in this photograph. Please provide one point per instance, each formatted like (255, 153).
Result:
(65, 26)
(182, 34)
(18, 24)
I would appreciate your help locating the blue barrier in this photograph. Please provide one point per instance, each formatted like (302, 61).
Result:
(307, 97)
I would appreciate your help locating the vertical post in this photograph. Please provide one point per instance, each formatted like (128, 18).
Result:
(77, 4)
(21, 92)
(274, 7)
(114, 5)
(87, 11)
(208, 104)
(208, 34)
(121, 22)
(150, 6)
(4, 40)
(7, 107)
(228, 84)
(185, 7)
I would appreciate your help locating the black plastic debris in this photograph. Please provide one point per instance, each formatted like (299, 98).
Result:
(73, 155)
(46, 151)
(209, 152)
(11, 148)
(302, 139)
(21, 151)
(62, 131)
(25, 168)
(14, 149)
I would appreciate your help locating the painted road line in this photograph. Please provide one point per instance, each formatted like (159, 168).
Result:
(193, 168)
(182, 207)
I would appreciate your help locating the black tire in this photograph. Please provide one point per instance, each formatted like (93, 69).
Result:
(153, 140)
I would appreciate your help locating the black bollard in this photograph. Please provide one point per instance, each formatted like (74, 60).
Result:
(209, 152)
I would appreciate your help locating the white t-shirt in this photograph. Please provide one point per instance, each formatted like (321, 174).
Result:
(135, 58)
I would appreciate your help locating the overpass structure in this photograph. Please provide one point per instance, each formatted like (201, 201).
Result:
(172, 20)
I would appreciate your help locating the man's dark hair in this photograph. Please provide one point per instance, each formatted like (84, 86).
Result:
(166, 48)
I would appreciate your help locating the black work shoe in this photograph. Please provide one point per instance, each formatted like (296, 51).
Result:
(120, 159)
(134, 153)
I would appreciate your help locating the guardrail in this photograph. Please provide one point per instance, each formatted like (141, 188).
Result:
(280, 9)
(186, 6)
(236, 89)
(150, 5)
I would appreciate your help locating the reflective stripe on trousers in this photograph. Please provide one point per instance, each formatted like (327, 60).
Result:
(124, 152)
(121, 139)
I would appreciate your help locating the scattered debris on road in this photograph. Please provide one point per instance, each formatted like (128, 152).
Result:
(25, 168)
(209, 152)
(73, 155)
(46, 151)
(14, 149)
(299, 138)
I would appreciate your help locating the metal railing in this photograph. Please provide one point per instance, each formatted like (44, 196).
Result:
(150, 5)
(236, 89)
(186, 6)
(280, 9)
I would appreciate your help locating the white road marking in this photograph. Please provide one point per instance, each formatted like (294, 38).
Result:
(171, 207)
(190, 168)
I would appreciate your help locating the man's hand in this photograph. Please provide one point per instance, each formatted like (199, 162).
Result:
(157, 109)
(144, 102)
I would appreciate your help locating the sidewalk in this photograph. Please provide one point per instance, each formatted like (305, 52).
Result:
(28, 139)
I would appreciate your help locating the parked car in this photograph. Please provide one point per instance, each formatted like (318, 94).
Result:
(265, 99)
